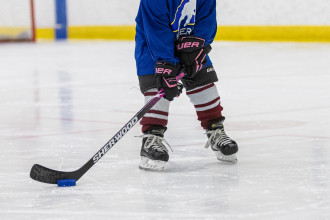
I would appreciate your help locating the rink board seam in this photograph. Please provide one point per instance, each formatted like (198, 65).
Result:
(228, 33)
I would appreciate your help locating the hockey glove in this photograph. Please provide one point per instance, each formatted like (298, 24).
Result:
(166, 73)
(192, 54)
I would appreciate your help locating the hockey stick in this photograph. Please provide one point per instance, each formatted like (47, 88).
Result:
(46, 175)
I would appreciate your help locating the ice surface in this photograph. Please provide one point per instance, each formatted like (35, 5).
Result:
(60, 102)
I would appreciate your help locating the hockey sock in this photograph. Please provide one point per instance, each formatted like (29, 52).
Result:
(207, 103)
(158, 115)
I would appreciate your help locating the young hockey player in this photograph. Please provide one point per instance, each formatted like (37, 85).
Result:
(174, 36)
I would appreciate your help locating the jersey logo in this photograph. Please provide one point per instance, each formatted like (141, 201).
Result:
(184, 19)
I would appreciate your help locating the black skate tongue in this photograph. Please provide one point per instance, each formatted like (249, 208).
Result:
(213, 125)
(157, 130)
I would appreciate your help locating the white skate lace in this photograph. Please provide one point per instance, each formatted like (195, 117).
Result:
(156, 142)
(218, 136)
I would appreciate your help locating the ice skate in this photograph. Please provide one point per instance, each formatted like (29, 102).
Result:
(154, 153)
(223, 146)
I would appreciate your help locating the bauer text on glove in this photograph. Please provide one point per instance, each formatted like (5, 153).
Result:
(192, 53)
(166, 73)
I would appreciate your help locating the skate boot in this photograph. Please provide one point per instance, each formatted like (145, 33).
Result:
(154, 153)
(224, 147)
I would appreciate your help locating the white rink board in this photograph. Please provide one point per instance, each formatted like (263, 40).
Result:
(15, 13)
(230, 12)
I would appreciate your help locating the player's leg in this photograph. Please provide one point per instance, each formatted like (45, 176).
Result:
(204, 96)
(154, 152)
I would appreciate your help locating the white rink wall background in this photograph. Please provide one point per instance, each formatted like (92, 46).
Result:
(230, 12)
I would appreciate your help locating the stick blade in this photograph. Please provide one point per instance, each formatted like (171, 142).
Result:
(46, 175)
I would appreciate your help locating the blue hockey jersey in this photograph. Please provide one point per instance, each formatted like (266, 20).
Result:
(160, 22)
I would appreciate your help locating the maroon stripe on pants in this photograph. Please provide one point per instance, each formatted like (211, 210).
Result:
(150, 93)
(200, 90)
(209, 103)
(158, 112)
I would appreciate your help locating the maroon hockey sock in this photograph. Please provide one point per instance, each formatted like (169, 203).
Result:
(158, 115)
(207, 103)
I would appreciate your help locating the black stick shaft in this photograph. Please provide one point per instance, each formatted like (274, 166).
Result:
(46, 175)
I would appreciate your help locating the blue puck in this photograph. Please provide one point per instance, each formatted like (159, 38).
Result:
(66, 182)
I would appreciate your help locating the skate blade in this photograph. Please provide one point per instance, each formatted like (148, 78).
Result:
(226, 158)
(152, 165)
